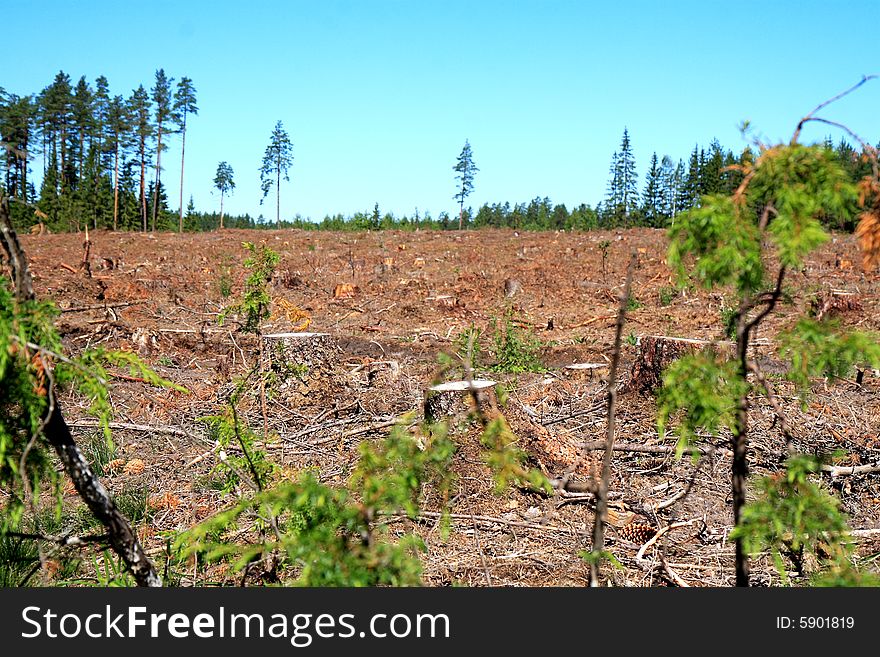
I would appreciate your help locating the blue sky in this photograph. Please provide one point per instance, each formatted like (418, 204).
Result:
(379, 96)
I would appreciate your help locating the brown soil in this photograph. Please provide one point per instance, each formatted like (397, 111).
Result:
(393, 301)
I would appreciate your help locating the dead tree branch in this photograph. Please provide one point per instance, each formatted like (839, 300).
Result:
(121, 537)
(602, 492)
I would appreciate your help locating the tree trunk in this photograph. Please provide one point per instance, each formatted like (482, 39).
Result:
(221, 209)
(143, 184)
(158, 174)
(740, 467)
(182, 156)
(116, 187)
(610, 431)
(123, 540)
(278, 195)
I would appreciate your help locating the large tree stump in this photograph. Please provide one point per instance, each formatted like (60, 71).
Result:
(454, 401)
(301, 364)
(656, 352)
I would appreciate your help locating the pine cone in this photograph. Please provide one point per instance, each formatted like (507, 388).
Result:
(637, 532)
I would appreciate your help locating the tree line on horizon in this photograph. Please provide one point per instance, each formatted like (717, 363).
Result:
(101, 162)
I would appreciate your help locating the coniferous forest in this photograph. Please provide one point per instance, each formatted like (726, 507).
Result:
(100, 155)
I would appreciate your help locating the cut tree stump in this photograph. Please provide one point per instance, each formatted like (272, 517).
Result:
(581, 370)
(656, 352)
(835, 302)
(454, 400)
(303, 363)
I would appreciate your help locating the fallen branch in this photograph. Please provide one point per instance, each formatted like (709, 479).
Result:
(102, 306)
(595, 445)
(497, 521)
(848, 470)
(126, 426)
(640, 555)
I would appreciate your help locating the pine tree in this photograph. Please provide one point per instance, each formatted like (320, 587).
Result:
(161, 94)
(82, 114)
(652, 199)
(277, 159)
(55, 118)
(465, 170)
(224, 182)
(139, 109)
(118, 126)
(17, 116)
(184, 104)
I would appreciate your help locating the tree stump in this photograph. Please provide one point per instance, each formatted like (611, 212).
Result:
(656, 352)
(584, 370)
(834, 302)
(454, 401)
(302, 363)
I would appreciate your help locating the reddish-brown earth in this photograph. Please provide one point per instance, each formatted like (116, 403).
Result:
(405, 297)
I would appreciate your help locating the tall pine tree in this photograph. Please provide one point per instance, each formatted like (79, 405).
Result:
(184, 105)
(139, 110)
(465, 170)
(161, 94)
(277, 159)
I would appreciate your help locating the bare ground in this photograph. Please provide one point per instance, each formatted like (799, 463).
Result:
(410, 296)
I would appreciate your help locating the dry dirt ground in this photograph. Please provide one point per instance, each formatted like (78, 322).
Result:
(392, 302)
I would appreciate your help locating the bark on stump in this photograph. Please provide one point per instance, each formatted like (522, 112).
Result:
(454, 401)
(656, 352)
(303, 363)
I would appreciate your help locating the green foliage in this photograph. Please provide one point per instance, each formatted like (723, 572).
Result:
(18, 556)
(506, 460)
(701, 390)
(229, 432)
(823, 348)
(516, 351)
(633, 304)
(803, 184)
(792, 517)
(724, 243)
(253, 307)
(728, 321)
(667, 295)
(99, 452)
(133, 502)
(30, 349)
(467, 344)
(329, 536)
(224, 285)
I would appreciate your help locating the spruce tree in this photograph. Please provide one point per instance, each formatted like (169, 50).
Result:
(652, 199)
(693, 180)
(623, 196)
(277, 159)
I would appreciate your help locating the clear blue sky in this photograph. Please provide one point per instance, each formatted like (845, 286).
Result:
(379, 96)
